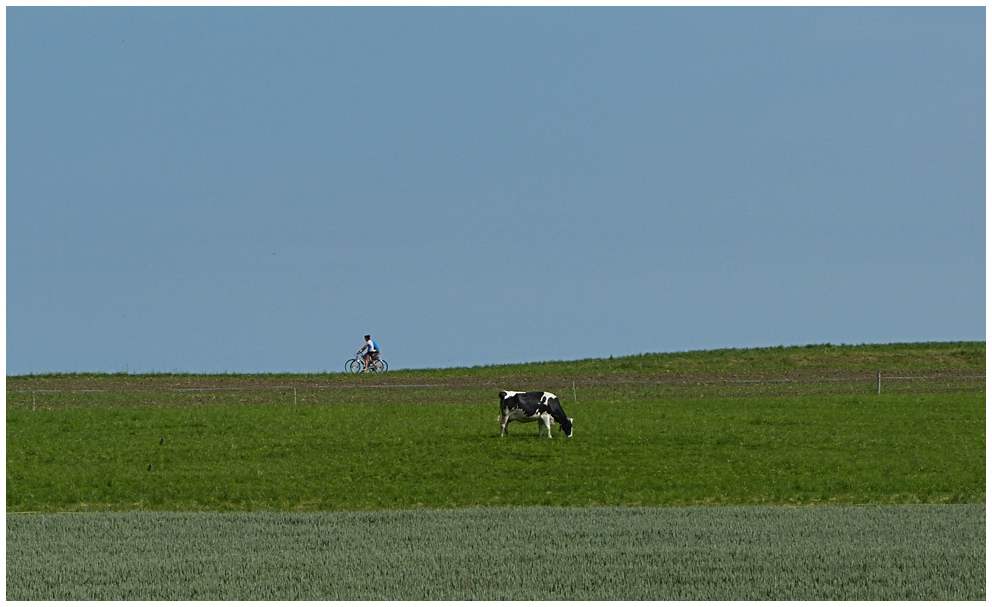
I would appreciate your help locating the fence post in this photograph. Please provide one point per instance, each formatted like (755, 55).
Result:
(879, 382)
(575, 396)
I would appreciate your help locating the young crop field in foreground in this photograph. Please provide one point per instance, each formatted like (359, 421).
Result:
(734, 553)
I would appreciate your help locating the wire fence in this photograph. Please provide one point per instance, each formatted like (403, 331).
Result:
(471, 384)
(481, 389)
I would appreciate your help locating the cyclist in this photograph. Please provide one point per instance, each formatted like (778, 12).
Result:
(371, 351)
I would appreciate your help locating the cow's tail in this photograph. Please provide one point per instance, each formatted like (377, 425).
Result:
(499, 415)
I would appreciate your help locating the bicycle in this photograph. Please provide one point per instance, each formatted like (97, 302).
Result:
(357, 365)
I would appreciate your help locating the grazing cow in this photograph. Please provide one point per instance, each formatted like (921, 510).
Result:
(525, 407)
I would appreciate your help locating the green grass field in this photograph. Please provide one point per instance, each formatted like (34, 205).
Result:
(273, 456)
(744, 429)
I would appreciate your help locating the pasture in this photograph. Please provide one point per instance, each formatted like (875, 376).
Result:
(285, 456)
(887, 449)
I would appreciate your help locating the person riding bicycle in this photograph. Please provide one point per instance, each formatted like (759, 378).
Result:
(371, 352)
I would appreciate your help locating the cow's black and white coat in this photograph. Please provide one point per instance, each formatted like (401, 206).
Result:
(525, 407)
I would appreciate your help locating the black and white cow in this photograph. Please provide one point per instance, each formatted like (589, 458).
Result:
(525, 407)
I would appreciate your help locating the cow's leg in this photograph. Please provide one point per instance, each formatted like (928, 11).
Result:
(504, 422)
(544, 422)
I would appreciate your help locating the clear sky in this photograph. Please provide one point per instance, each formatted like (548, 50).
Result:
(254, 189)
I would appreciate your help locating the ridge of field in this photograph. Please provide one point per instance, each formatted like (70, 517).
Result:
(928, 552)
(948, 360)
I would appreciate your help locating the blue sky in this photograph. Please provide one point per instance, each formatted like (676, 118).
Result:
(253, 189)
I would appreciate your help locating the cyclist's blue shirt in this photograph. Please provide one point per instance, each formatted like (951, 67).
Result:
(375, 346)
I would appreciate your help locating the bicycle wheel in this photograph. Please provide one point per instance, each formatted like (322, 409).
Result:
(354, 365)
(381, 366)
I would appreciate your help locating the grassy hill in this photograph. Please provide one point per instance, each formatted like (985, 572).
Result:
(906, 356)
(950, 359)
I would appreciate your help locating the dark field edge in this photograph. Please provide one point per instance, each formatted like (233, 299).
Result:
(951, 361)
(918, 552)
(486, 391)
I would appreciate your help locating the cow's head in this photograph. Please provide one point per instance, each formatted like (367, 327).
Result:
(566, 427)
